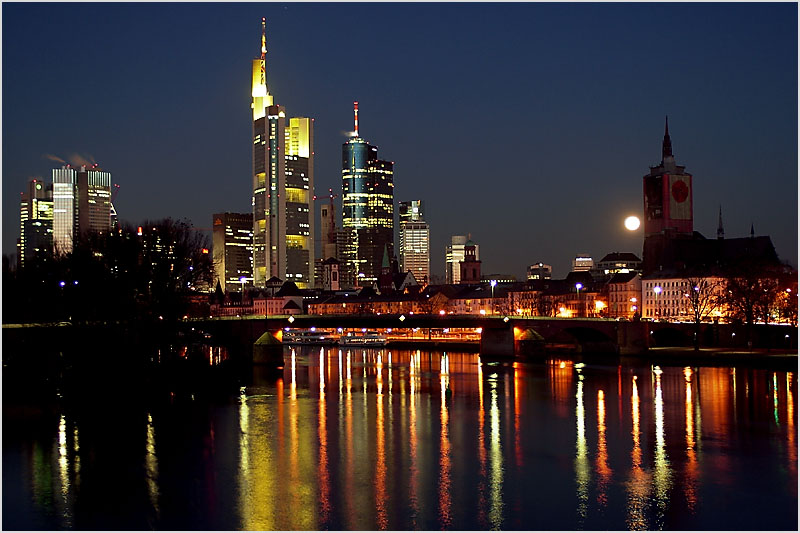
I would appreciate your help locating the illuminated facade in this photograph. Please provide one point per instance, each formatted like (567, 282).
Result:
(367, 208)
(81, 204)
(540, 271)
(414, 241)
(582, 263)
(232, 238)
(35, 221)
(283, 186)
(454, 254)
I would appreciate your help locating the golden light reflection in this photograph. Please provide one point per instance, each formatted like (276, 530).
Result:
(639, 482)
(322, 464)
(293, 383)
(581, 459)
(692, 467)
(413, 485)
(151, 465)
(256, 476)
(349, 452)
(790, 419)
(63, 472)
(517, 437)
(380, 460)
(445, 517)
(481, 448)
(661, 469)
(496, 461)
(604, 472)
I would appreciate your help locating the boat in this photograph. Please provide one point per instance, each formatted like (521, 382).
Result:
(306, 337)
(369, 338)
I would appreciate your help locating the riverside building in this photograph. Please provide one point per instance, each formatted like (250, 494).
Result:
(231, 241)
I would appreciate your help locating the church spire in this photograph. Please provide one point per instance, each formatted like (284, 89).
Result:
(752, 231)
(666, 147)
(720, 230)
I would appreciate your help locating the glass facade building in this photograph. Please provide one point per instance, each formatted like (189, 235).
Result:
(232, 238)
(454, 255)
(283, 187)
(81, 204)
(36, 221)
(367, 210)
(414, 239)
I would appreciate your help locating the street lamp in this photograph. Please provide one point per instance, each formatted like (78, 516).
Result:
(578, 287)
(493, 283)
(657, 291)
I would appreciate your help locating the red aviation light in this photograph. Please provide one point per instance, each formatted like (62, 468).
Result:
(139, 231)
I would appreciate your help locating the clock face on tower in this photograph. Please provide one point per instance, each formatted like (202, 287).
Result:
(680, 191)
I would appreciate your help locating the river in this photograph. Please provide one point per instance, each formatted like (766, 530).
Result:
(371, 439)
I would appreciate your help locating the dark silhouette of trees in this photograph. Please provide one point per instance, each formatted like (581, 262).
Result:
(120, 276)
(704, 297)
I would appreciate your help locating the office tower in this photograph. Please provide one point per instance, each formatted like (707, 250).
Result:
(367, 207)
(231, 240)
(582, 263)
(414, 241)
(35, 221)
(81, 204)
(283, 186)
(540, 271)
(454, 254)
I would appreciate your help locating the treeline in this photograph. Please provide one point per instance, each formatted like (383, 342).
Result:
(147, 272)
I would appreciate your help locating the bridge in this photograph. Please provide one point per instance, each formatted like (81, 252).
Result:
(499, 336)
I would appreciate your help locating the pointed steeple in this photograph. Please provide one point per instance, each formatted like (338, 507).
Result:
(385, 264)
(752, 231)
(720, 230)
(666, 147)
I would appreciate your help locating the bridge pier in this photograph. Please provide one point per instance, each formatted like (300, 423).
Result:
(498, 342)
(632, 338)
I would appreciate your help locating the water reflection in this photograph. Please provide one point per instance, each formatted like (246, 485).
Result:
(373, 439)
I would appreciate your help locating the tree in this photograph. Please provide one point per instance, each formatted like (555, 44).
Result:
(750, 291)
(703, 295)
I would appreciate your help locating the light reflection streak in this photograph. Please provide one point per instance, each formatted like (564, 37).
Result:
(581, 459)
(517, 441)
(151, 465)
(661, 472)
(496, 461)
(348, 473)
(481, 448)
(790, 424)
(256, 478)
(639, 483)
(775, 397)
(604, 472)
(445, 518)
(380, 459)
(412, 440)
(322, 468)
(63, 472)
(691, 454)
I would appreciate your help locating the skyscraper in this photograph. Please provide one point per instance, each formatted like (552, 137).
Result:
(232, 246)
(454, 255)
(414, 241)
(283, 186)
(367, 207)
(35, 221)
(81, 204)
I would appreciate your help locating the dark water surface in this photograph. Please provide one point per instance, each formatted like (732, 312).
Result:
(401, 439)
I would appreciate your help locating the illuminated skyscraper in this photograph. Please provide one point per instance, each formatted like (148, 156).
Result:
(35, 221)
(232, 245)
(414, 241)
(283, 186)
(367, 207)
(81, 204)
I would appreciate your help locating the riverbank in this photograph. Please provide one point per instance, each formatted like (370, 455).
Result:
(687, 356)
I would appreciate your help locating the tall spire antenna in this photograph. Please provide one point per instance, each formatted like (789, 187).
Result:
(355, 116)
(263, 38)
(666, 147)
(720, 230)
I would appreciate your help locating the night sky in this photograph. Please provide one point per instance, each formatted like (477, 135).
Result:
(529, 126)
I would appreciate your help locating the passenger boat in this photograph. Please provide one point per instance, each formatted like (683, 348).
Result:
(369, 338)
(307, 337)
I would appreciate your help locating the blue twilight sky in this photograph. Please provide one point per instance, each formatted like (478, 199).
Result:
(529, 126)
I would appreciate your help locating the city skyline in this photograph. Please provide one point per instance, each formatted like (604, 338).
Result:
(501, 140)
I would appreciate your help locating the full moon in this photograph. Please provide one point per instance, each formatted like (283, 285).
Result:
(632, 223)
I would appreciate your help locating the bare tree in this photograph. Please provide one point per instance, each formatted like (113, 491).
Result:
(703, 295)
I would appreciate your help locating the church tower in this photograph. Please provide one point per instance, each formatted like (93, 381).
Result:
(668, 195)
